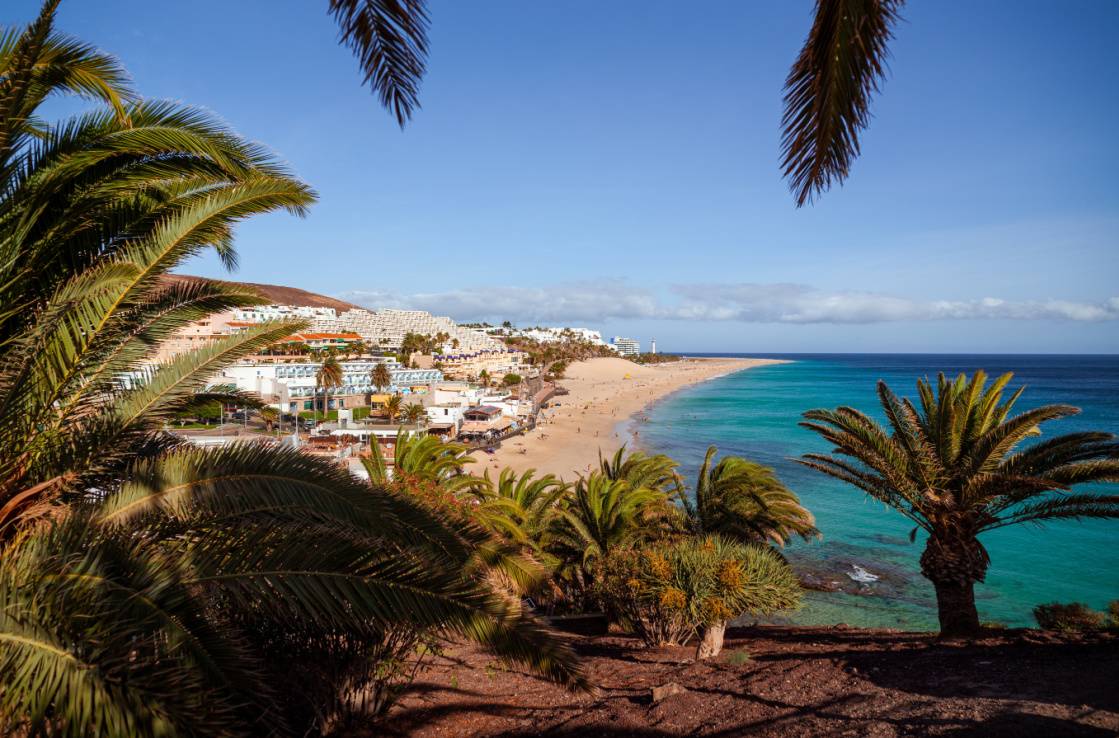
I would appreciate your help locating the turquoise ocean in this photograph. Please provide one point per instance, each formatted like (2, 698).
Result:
(865, 555)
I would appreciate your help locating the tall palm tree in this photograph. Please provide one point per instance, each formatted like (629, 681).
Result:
(328, 377)
(269, 415)
(741, 500)
(956, 464)
(148, 586)
(827, 91)
(393, 406)
(381, 377)
(484, 378)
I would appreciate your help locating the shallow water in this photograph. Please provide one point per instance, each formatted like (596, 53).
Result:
(754, 414)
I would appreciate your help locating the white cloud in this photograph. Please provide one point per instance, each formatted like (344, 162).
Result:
(744, 302)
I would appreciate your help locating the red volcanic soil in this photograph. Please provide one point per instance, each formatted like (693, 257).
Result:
(774, 681)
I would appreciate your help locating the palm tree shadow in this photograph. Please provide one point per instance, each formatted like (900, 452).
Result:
(1071, 672)
(1023, 725)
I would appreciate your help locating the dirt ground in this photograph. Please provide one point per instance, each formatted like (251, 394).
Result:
(773, 681)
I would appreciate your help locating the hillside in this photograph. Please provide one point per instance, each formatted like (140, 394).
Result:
(280, 295)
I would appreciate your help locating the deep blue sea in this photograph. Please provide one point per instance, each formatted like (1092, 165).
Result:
(754, 413)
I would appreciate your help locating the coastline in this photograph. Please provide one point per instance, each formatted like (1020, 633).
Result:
(605, 394)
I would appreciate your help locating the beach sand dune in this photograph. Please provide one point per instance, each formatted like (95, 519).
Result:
(604, 393)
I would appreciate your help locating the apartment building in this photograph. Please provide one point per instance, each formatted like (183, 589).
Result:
(626, 346)
(291, 386)
(386, 329)
(496, 363)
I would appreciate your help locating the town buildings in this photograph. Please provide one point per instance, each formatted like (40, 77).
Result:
(291, 386)
(387, 328)
(626, 346)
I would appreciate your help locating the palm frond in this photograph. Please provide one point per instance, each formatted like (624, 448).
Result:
(389, 39)
(828, 91)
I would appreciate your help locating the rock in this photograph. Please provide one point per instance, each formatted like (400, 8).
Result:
(665, 691)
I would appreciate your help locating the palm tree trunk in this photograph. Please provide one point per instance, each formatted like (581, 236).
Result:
(711, 644)
(954, 563)
(955, 604)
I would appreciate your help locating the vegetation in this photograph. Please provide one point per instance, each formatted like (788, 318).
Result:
(328, 377)
(549, 356)
(744, 501)
(955, 464)
(380, 377)
(150, 587)
(827, 91)
(1075, 617)
(357, 413)
(649, 358)
(414, 412)
(522, 509)
(392, 407)
(672, 591)
(424, 459)
(511, 379)
(270, 416)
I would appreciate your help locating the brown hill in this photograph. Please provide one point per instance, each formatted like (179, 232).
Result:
(280, 295)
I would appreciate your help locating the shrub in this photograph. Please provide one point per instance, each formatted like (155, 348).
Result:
(738, 658)
(668, 592)
(1071, 618)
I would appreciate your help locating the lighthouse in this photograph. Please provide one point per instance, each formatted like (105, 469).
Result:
(653, 346)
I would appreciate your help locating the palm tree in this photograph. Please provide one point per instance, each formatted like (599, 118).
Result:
(393, 406)
(827, 91)
(151, 587)
(520, 508)
(269, 415)
(600, 514)
(638, 469)
(955, 465)
(328, 377)
(744, 501)
(381, 377)
(484, 378)
(426, 459)
(414, 412)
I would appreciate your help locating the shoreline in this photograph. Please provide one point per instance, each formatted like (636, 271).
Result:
(605, 395)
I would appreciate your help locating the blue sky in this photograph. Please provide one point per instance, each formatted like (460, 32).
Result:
(616, 165)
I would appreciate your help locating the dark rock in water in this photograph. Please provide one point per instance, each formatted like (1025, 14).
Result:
(817, 583)
(854, 577)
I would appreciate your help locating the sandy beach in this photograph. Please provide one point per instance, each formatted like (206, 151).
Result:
(604, 392)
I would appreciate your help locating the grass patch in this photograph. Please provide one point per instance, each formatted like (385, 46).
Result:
(740, 657)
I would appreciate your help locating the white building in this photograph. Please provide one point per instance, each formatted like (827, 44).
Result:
(263, 313)
(291, 386)
(553, 335)
(626, 346)
(386, 329)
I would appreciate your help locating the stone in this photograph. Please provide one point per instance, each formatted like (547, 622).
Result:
(665, 691)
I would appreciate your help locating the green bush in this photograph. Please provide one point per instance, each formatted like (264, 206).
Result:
(666, 593)
(1074, 617)
(737, 658)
